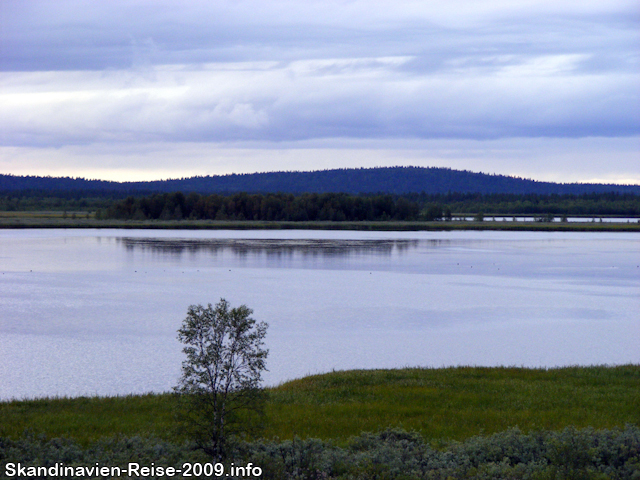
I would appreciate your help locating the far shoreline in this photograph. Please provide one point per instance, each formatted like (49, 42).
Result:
(37, 220)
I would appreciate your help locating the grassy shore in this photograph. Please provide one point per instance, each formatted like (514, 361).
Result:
(441, 404)
(81, 220)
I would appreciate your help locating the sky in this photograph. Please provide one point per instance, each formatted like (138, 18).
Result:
(145, 90)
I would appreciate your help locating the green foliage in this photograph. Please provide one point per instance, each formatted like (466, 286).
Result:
(220, 383)
(440, 404)
(393, 454)
(268, 207)
(454, 403)
(37, 450)
(397, 454)
(87, 419)
(584, 204)
(59, 202)
(319, 207)
(342, 207)
(433, 212)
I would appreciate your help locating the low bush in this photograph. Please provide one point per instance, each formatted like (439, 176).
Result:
(390, 454)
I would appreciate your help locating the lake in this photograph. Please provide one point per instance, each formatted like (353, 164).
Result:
(86, 312)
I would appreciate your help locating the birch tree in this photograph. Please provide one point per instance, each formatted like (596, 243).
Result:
(219, 389)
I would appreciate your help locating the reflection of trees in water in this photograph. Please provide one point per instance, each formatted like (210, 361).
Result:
(275, 247)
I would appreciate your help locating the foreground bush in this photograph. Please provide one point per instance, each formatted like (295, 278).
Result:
(395, 454)
(392, 454)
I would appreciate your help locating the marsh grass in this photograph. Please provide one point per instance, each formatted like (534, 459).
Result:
(441, 404)
(87, 419)
(455, 403)
(58, 220)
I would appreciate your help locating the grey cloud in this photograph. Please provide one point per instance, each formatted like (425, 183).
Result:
(605, 62)
(143, 72)
(319, 99)
(66, 35)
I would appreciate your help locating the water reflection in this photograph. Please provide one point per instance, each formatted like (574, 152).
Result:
(245, 246)
(87, 312)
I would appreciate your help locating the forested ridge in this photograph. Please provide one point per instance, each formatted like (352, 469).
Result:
(390, 180)
(399, 193)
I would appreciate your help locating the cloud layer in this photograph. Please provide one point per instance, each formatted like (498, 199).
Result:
(245, 73)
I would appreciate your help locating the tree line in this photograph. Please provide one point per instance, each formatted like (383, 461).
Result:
(270, 207)
(344, 207)
(421, 206)
(609, 203)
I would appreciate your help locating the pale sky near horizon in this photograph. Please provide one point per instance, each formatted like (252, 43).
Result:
(143, 90)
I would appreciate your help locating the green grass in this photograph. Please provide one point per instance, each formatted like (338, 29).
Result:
(89, 418)
(57, 220)
(441, 404)
(456, 403)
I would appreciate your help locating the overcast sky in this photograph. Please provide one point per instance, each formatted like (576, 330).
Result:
(131, 90)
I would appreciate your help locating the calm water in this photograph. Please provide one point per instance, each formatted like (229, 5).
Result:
(96, 312)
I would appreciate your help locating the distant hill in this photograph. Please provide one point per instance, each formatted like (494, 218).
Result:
(394, 180)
